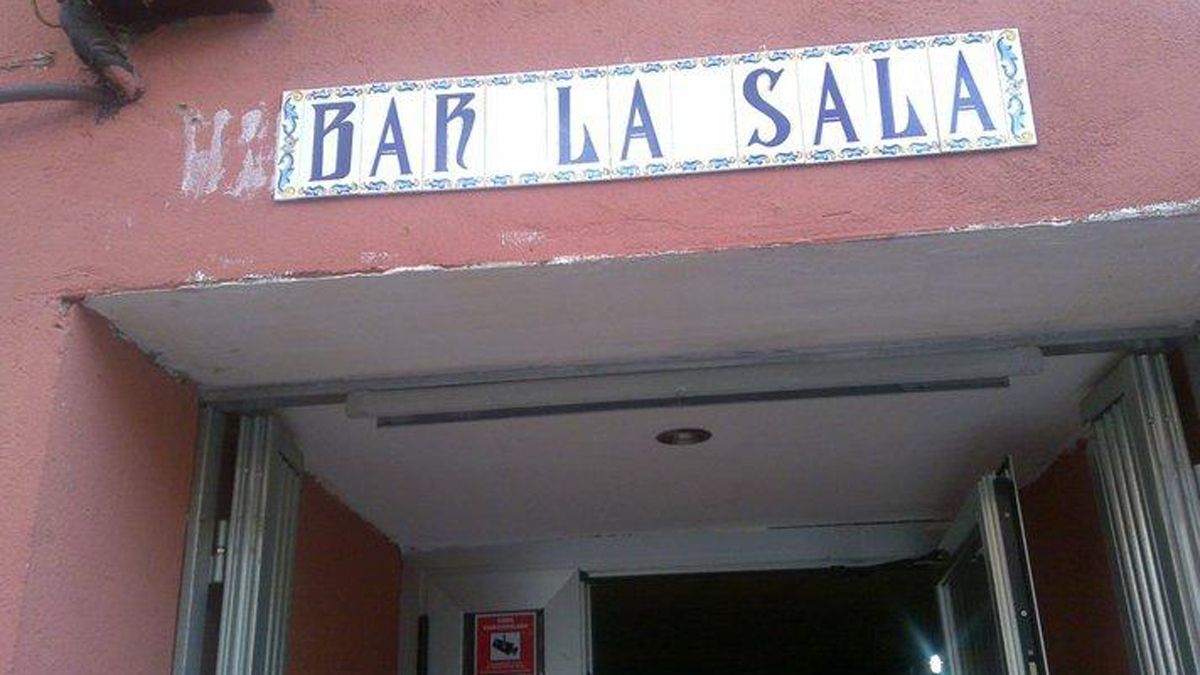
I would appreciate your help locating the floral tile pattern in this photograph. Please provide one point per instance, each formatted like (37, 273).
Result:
(812, 105)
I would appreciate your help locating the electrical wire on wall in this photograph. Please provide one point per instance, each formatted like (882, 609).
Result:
(95, 44)
(93, 27)
(37, 12)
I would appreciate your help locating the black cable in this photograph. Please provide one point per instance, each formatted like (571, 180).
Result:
(97, 47)
(37, 11)
(90, 37)
(17, 93)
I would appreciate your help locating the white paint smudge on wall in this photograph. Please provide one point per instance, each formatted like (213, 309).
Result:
(253, 175)
(521, 238)
(203, 168)
(374, 257)
(204, 163)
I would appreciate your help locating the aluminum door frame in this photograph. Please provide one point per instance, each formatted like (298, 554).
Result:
(994, 511)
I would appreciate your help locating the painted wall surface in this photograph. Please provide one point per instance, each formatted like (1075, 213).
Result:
(110, 499)
(345, 593)
(173, 183)
(1075, 586)
(174, 190)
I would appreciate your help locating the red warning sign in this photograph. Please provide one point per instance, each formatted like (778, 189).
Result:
(507, 643)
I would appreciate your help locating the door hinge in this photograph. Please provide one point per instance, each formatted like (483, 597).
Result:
(220, 550)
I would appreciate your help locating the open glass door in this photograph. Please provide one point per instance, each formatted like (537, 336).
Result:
(261, 542)
(989, 611)
(237, 578)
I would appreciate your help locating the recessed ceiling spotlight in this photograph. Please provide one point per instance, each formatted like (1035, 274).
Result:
(683, 436)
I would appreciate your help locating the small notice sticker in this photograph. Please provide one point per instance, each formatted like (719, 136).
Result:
(504, 643)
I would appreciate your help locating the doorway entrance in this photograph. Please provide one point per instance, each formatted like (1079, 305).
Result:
(841, 589)
(872, 619)
(839, 403)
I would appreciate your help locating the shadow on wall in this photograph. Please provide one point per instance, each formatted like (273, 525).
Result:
(1071, 571)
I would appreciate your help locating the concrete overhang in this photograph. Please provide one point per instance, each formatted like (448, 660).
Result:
(1081, 292)
(1041, 284)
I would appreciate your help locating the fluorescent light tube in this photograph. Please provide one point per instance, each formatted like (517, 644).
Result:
(703, 386)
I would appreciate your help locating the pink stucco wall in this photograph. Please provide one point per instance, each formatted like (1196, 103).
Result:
(89, 207)
(345, 592)
(109, 501)
(1111, 84)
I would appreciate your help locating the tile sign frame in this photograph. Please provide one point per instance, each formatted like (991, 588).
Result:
(869, 100)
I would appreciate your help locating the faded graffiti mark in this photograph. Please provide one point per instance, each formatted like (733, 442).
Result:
(253, 176)
(374, 257)
(521, 238)
(35, 61)
(204, 169)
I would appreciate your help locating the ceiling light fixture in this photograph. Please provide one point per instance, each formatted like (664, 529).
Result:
(684, 436)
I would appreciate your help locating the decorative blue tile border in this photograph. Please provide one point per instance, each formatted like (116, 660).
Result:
(297, 119)
(1016, 89)
(285, 153)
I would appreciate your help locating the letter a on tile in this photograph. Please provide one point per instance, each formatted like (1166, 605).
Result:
(640, 125)
(971, 100)
(391, 142)
(833, 108)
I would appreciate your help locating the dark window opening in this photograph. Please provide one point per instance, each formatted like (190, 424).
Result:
(879, 620)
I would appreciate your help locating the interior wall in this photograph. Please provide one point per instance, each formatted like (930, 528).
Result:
(110, 512)
(345, 592)
(448, 595)
(1071, 571)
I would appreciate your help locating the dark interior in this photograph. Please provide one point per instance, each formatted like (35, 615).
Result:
(880, 620)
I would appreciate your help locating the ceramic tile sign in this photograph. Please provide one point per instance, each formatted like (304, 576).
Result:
(888, 98)
(503, 643)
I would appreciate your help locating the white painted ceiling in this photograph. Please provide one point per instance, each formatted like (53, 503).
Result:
(843, 460)
(985, 284)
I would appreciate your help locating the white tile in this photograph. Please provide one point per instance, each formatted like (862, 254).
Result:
(968, 129)
(704, 134)
(766, 87)
(640, 136)
(455, 131)
(516, 139)
(578, 146)
(899, 71)
(392, 137)
(845, 131)
(327, 156)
